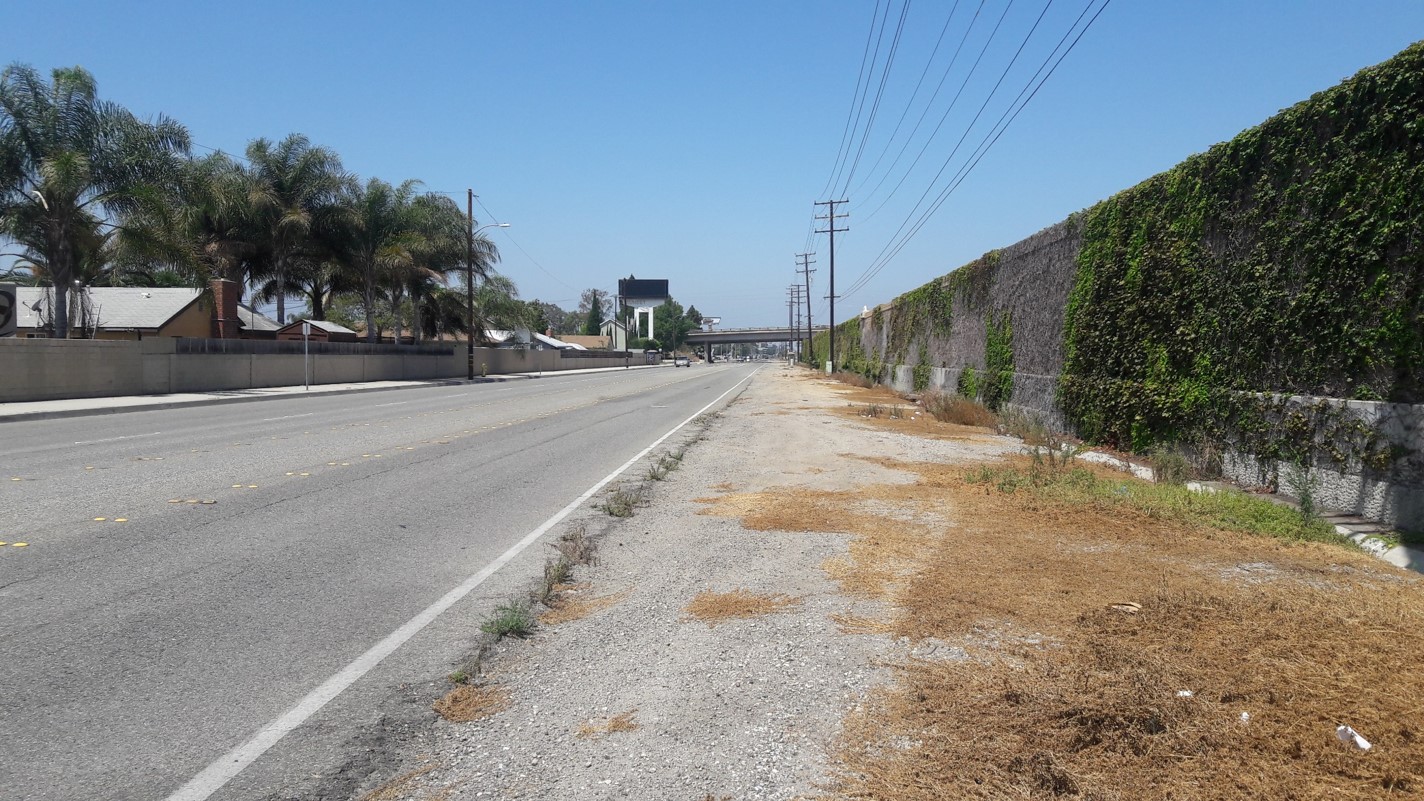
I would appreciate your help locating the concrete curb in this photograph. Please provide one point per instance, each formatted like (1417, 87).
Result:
(55, 414)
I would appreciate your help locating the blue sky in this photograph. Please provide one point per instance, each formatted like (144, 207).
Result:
(688, 140)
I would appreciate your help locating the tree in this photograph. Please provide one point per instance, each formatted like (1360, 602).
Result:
(295, 185)
(375, 222)
(69, 160)
(591, 310)
(672, 325)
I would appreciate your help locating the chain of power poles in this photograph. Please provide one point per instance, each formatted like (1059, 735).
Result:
(830, 217)
(804, 268)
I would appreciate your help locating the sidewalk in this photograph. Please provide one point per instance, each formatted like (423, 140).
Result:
(83, 407)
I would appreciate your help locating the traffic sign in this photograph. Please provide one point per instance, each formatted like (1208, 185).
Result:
(9, 310)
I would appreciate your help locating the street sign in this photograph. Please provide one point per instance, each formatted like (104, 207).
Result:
(9, 310)
(306, 328)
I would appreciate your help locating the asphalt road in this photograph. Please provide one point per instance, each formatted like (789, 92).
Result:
(191, 574)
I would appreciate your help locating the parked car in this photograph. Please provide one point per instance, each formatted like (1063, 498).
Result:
(681, 361)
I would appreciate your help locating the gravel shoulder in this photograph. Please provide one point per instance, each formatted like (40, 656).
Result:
(640, 699)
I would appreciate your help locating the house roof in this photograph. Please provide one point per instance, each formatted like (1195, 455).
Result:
(586, 342)
(556, 343)
(322, 325)
(253, 321)
(115, 307)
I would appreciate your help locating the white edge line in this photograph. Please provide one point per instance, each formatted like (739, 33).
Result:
(116, 439)
(223, 769)
(286, 417)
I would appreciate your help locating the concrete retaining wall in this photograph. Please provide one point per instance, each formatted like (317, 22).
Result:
(1032, 279)
(53, 369)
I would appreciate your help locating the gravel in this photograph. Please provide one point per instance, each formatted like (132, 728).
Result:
(746, 709)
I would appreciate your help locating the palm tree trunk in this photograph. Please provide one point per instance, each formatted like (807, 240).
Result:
(61, 271)
(416, 329)
(396, 293)
(281, 290)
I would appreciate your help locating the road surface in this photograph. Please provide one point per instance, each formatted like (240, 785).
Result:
(192, 574)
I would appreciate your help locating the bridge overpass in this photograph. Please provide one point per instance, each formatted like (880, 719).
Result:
(735, 335)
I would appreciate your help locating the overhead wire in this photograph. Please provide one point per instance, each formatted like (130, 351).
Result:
(879, 93)
(521, 249)
(945, 116)
(860, 78)
(996, 131)
(924, 73)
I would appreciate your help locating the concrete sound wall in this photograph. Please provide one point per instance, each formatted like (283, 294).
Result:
(53, 369)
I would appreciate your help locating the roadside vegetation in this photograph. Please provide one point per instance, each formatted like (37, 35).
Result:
(1079, 632)
(92, 196)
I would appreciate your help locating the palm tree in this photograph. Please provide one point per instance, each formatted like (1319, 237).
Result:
(206, 230)
(379, 225)
(68, 159)
(295, 184)
(437, 248)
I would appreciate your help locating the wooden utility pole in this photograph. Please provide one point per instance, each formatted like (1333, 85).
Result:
(831, 229)
(805, 270)
(470, 284)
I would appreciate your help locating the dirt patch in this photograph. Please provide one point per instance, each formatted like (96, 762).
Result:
(468, 702)
(621, 722)
(1082, 623)
(569, 606)
(713, 608)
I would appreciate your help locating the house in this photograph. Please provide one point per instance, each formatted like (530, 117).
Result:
(617, 334)
(587, 342)
(516, 338)
(321, 331)
(118, 312)
(542, 341)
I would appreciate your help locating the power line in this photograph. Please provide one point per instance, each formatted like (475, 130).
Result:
(879, 92)
(967, 130)
(860, 77)
(995, 132)
(944, 117)
(924, 73)
(521, 249)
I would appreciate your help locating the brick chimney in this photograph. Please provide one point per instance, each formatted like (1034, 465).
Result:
(226, 323)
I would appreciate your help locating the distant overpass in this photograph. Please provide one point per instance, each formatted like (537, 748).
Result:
(734, 335)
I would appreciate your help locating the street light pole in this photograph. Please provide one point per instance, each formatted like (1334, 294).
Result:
(471, 231)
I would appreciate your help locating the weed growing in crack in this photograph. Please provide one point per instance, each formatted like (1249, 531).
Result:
(622, 501)
(556, 572)
(511, 619)
(577, 547)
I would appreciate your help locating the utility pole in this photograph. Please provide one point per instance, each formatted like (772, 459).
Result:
(470, 284)
(831, 229)
(796, 321)
(790, 304)
(805, 270)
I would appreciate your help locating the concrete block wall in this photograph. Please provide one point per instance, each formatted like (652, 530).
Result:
(53, 369)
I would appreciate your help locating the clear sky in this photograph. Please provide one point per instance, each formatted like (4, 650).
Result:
(687, 141)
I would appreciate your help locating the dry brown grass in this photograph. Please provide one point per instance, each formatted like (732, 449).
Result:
(713, 608)
(604, 726)
(568, 606)
(470, 702)
(1065, 695)
(399, 786)
(950, 408)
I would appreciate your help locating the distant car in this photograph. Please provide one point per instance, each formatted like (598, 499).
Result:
(681, 361)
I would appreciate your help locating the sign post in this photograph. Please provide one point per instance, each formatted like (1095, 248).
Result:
(9, 310)
(306, 356)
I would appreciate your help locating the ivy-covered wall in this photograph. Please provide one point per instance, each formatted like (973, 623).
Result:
(1234, 302)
